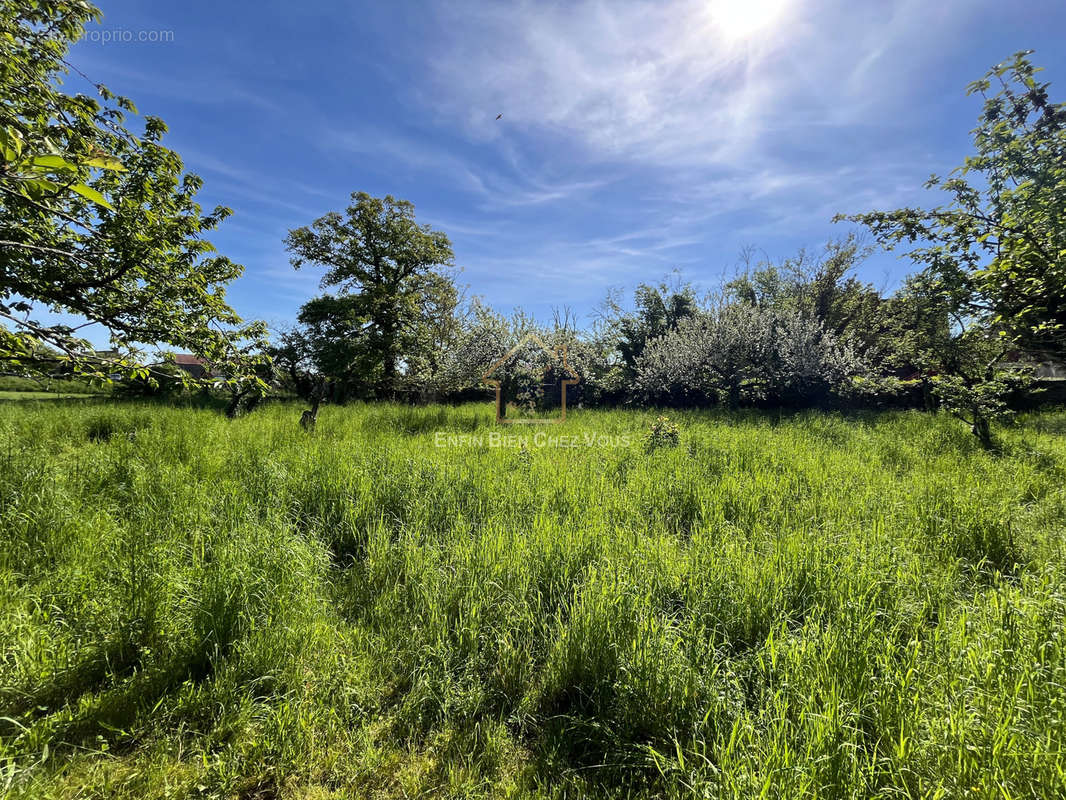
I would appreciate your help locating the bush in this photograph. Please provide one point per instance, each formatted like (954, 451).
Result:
(663, 433)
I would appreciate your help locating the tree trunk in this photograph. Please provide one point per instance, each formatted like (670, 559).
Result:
(734, 396)
(927, 397)
(233, 408)
(982, 429)
(506, 390)
(387, 388)
(310, 416)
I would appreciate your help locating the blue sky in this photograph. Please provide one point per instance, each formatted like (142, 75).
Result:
(636, 137)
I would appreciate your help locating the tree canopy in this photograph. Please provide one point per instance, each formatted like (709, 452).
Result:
(993, 257)
(394, 283)
(99, 222)
(997, 249)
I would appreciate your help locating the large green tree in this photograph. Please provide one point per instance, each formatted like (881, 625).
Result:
(342, 345)
(993, 256)
(392, 277)
(98, 222)
(997, 248)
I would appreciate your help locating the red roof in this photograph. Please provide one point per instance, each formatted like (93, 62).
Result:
(186, 358)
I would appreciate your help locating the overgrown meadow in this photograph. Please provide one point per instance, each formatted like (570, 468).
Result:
(780, 605)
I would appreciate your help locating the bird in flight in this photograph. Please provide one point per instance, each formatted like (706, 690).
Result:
(498, 116)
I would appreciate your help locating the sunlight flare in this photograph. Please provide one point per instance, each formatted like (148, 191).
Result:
(736, 20)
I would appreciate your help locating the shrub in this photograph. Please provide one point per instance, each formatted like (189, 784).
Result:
(663, 433)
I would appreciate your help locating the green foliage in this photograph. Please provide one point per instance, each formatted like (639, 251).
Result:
(99, 222)
(47, 139)
(193, 607)
(290, 354)
(1021, 156)
(998, 248)
(979, 403)
(820, 288)
(658, 310)
(333, 330)
(738, 354)
(394, 315)
(956, 361)
(994, 257)
(159, 380)
(662, 433)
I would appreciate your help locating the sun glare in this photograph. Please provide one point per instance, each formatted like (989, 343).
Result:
(740, 19)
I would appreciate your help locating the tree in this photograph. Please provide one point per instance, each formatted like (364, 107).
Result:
(995, 255)
(957, 360)
(98, 222)
(433, 337)
(741, 354)
(622, 334)
(999, 244)
(342, 346)
(290, 353)
(388, 268)
(914, 331)
(822, 287)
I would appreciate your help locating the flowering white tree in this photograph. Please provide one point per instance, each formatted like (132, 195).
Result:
(529, 367)
(740, 353)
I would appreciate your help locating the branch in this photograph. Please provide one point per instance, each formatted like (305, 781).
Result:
(51, 250)
(46, 209)
(989, 221)
(45, 335)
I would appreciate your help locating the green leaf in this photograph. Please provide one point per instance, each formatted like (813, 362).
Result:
(36, 189)
(90, 193)
(106, 162)
(10, 143)
(53, 163)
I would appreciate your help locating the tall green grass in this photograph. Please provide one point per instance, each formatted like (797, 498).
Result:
(780, 606)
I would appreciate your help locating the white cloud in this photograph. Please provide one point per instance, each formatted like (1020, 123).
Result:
(741, 120)
(495, 189)
(689, 82)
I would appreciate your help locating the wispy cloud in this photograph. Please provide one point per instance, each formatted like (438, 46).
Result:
(494, 188)
(195, 87)
(633, 136)
(688, 82)
(693, 125)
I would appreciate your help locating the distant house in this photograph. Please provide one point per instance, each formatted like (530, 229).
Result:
(196, 367)
(1043, 366)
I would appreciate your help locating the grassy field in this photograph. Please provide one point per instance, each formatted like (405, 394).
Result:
(12, 387)
(808, 605)
(30, 395)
